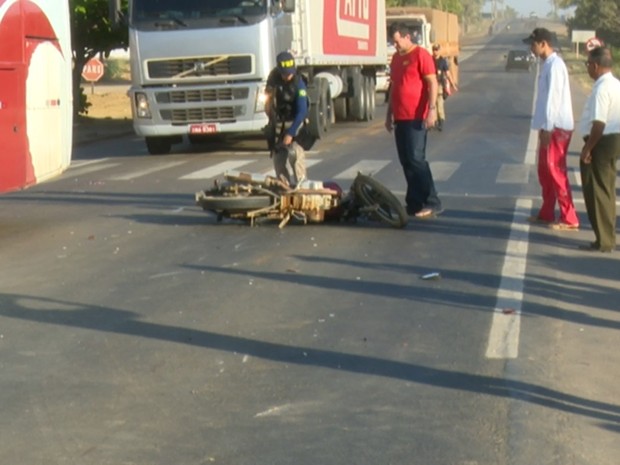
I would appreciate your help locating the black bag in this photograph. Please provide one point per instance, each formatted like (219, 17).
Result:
(305, 138)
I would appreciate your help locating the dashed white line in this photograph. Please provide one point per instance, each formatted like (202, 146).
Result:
(215, 170)
(364, 166)
(145, 171)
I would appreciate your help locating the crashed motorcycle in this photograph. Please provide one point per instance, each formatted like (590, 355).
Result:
(253, 197)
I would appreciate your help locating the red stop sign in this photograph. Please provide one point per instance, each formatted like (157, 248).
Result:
(93, 70)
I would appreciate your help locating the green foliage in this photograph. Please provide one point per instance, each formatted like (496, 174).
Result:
(81, 102)
(116, 69)
(601, 15)
(93, 33)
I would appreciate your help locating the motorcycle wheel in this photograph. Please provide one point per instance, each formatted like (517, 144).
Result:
(235, 204)
(372, 193)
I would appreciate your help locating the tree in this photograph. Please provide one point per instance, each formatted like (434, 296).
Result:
(601, 15)
(93, 33)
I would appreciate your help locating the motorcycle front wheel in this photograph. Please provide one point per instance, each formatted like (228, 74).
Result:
(387, 208)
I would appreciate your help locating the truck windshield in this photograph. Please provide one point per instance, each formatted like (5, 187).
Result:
(192, 14)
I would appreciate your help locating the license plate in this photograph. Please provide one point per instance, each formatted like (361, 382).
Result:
(205, 128)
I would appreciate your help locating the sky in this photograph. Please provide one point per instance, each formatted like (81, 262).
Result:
(525, 7)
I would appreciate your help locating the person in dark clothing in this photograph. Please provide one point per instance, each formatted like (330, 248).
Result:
(287, 107)
(446, 83)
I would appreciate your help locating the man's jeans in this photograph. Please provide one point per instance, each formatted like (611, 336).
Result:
(411, 146)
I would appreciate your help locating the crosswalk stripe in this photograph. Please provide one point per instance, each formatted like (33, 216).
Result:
(364, 166)
(513, 174)
(508, 173)
(79, 163)
(309, 162)
(213, 171)
(144, 172)
(90, 168)
(443, 170)
(574, 177)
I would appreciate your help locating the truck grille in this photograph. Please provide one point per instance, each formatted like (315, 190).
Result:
(201, 115)
(202, 95)
(199, 66)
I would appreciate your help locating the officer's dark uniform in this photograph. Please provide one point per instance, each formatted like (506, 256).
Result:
(288, 105)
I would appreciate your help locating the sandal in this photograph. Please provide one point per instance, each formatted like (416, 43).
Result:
(425, 213)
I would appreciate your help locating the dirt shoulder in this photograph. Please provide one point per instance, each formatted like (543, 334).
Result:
(109, 113)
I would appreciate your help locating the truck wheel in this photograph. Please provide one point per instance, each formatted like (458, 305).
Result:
(319, 114)
(370, 98)
(158, 145)
(326, 101)
(340, 108)
(357, 99)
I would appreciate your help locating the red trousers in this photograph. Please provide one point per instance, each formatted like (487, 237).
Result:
(553, 178)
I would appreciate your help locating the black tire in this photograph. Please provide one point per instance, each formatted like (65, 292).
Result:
(158, 145)
(357, 96)
(372, 193)
(370, 98)
(234, 204)
(340, 109)
(319, 114)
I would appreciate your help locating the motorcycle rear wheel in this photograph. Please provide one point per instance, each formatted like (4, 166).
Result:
(373, 194)
(235, 204)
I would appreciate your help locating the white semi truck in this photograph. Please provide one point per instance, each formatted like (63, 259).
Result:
(199, 67)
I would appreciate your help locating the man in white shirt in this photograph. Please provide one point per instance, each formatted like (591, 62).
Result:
(553, 119)
(600, 128)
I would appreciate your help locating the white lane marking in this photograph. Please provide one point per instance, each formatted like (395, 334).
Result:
(513, 174)
(90, 169)
(575, 175)
(532, 148)
(215, 170)
(309, 162)
(364, 166)
(79, 163)
(443, 170)
(143, 172)
(506, 325)
(532, 143)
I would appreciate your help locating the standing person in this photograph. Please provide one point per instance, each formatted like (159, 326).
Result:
(553, 119)
(412, 110)
(600, 127)
(446, 84)
(287, 108)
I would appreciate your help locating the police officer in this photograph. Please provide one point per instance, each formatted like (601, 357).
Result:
(287, 107)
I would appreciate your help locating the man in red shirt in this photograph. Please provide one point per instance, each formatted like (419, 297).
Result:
(412, 110)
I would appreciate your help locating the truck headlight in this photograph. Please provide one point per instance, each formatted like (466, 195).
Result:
(261, 98)
(143, 109)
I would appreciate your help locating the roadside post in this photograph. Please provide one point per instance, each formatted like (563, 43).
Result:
(581, 36)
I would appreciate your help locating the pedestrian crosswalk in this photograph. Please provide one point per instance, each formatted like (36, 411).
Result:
(186, 170)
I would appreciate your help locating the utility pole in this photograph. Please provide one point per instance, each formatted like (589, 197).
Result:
(114, 7)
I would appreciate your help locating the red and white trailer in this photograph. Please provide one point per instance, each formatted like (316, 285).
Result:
(35, 91)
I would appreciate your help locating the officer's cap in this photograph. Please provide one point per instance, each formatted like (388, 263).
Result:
(286, 63)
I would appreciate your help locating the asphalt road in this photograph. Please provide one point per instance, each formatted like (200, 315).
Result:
(135, 329)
